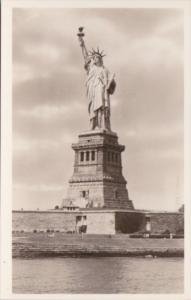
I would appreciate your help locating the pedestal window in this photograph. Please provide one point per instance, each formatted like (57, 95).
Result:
(93, 155)
(87, 155)
(81, 156)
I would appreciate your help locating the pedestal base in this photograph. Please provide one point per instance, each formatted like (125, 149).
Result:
(97, 180)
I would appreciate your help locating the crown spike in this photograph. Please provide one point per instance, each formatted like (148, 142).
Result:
(96, 52)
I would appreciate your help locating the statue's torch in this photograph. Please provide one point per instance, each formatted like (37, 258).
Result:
(80, 35)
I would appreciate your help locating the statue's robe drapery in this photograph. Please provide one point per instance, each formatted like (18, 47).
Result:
(97, 84)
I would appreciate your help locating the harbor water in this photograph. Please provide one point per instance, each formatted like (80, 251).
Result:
(103, 275)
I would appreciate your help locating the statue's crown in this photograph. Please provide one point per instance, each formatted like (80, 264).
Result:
(96, 52)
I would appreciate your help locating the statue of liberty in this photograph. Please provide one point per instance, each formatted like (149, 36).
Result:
(100, 84)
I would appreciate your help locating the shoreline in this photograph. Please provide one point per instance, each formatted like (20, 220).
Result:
(40, 245)
(146, 253)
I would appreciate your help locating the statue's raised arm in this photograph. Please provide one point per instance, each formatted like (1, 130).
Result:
(100, 85)
(80, 35)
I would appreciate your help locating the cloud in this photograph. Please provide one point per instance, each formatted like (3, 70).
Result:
(47, 112)
(22, 144)
(58, 88)
(39, 187)
(33, 126)
(43, 165)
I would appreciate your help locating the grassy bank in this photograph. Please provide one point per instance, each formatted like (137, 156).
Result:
(27, 245)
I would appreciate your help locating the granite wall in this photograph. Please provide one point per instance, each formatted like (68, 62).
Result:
(101, 222)
(161, 222)
(98, 222)
(43, 220)
(30, 221)
(129, 222)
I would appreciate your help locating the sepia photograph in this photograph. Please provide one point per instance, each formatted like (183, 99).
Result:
(97, 147)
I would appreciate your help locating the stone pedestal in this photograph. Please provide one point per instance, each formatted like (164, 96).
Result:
(97, 180)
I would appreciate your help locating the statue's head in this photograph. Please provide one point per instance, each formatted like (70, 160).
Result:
(97, 56)
(97, 59)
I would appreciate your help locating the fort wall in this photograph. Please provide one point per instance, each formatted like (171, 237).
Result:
(98, 221)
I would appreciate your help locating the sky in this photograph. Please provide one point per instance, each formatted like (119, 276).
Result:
(144, 48)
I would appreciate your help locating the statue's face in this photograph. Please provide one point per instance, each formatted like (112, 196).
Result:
(97, 60)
